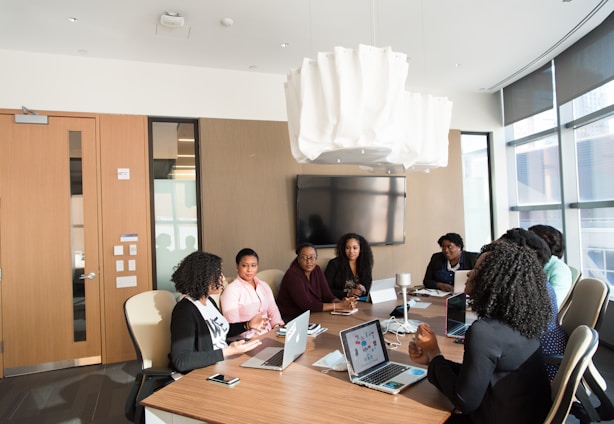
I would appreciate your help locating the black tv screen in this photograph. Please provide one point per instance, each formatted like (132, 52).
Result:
(329, 206)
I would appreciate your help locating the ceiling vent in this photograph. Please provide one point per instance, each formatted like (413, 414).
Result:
(172, 20)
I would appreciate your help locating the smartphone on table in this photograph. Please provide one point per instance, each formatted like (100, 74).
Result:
(224, 379)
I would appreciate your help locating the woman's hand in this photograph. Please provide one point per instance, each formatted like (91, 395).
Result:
(347, 303)
(358, 291)
(445, 287)
(240, 346)
(417, 355)
(258, 322)
(426, 345)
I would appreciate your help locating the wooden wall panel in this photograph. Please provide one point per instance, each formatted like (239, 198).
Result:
(248, 198)
(125, 210)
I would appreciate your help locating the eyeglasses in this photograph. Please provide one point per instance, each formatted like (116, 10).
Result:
(307, 258)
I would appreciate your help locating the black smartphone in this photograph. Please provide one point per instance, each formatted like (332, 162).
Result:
(224, 379)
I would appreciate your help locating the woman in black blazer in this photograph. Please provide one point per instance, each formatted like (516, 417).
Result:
(198, 329)
(440, 270)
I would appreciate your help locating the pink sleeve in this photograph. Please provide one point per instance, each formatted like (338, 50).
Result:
(230, 302)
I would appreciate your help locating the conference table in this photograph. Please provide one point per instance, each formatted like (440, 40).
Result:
(304, 393)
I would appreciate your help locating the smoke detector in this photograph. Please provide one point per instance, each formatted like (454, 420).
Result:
(172, 20)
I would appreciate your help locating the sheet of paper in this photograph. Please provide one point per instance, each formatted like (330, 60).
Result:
(329, 360)
(432, 292)
(420, 305)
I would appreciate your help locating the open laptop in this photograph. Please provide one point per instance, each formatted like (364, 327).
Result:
(367, 360)
(460, 280)
(456, 309)
(383, 290)
(278, 358)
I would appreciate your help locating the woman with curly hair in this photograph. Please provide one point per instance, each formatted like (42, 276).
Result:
(349, 273)
(502, 378)
(198, 330)
(554, 338)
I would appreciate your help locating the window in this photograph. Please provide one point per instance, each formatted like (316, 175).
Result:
(174, 171)
(564, 177)
(476, 190)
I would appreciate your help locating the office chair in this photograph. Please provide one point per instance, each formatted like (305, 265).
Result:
(580, 349)
(576, 274)
(148, 317)
(587, 306)
(273, 278)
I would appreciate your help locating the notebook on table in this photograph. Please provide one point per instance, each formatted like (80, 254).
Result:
(456, 310)
(460, 280)
(278, 358)
(367, 360)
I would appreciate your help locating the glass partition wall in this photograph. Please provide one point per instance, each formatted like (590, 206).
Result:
(175, 200)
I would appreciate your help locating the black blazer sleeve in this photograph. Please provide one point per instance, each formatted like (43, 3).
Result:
(335, 278)
(436, 262)
(191, 344)
(469, 260)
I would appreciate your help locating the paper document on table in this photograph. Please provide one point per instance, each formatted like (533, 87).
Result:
(432, 292)
(330, 360)
(421, 305)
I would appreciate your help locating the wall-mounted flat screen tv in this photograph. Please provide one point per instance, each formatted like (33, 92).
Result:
(329, 206)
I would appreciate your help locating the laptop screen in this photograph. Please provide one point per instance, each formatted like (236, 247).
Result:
(455, 311)
(364, 346)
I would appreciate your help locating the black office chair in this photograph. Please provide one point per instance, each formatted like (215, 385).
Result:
(148, 317)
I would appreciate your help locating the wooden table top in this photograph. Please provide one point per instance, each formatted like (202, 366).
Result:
(302, 393)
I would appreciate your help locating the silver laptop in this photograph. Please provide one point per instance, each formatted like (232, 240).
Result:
(367, 360)
(460, 280)
(278, 358)
(456, 311)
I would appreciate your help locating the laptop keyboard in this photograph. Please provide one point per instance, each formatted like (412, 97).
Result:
(385, 373)
(459, 331)
(275, 360)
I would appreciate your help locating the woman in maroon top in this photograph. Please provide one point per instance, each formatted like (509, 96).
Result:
(304, 287)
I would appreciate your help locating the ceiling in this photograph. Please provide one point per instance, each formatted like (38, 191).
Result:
(459, 45)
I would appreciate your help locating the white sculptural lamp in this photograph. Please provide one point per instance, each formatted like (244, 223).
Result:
(350, 107)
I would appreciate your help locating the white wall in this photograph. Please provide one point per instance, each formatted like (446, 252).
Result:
(83, 84)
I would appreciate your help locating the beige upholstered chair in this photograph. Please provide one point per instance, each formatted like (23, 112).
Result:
(272, 277)
(587, 306)
(580, 349)
(148, 317)
(576, 274)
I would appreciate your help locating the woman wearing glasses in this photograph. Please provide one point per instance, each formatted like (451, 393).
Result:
(304, 287)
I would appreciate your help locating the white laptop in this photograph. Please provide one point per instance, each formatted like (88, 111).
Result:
(460, 280)
(278, 358)
(456, 311)
(383, 290)
(367, 360)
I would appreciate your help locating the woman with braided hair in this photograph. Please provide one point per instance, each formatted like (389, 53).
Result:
(502, 378)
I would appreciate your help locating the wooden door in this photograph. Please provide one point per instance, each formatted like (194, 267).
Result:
(49, 248)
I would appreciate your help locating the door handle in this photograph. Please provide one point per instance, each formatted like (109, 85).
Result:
(89, 276)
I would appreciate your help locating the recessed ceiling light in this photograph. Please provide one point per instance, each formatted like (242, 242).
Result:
(227, 22)
(73, 20)
(284, 45)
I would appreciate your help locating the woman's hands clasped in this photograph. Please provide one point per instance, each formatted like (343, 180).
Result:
(424, 347)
